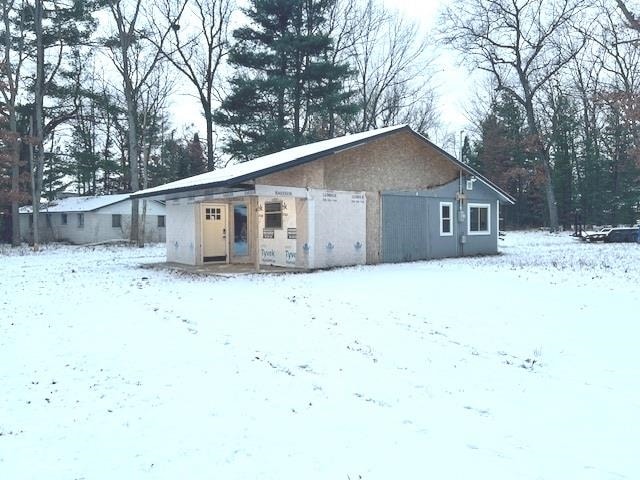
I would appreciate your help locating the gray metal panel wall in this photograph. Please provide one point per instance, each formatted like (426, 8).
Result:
(411, 224)
(405, 228)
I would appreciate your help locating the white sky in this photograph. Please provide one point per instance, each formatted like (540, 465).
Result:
(452, 82)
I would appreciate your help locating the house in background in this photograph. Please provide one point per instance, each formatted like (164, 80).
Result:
(387, 195)
(83, 220)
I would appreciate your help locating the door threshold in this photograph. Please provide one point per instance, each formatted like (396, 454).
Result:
(221, 258)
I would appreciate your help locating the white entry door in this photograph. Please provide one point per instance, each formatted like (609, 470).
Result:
(214, 232)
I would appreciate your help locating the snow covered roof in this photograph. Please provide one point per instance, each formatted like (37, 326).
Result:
(234, 175)
(78, 204)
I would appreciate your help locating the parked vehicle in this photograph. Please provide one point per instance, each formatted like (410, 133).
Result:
(598, 236)
(622, 235)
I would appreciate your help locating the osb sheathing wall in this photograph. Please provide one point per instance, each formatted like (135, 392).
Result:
(399, 161)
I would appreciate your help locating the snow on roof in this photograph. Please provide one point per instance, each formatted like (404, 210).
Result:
(237, 173)
(260, 164)
(78, 204)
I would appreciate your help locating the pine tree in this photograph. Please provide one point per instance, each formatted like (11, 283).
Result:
(503, 154)
(563, 131)
(177, 159)
(285, 88)
(196, 157)
(622, 170)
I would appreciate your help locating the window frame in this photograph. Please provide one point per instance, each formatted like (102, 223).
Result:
(80, 220)
(114, 223)
(163, 223)
(272, 215)
(485, 206)
(64, 220)
(443, 218)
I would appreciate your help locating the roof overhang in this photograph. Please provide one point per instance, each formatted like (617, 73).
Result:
(240, 182)
(200, 191)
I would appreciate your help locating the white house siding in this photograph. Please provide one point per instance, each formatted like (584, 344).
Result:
(152, 233)
(97, 225)
(340, 228)
(183, 238)
(46, 230)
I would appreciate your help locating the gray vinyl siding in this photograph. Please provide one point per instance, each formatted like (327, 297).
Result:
(482, 244)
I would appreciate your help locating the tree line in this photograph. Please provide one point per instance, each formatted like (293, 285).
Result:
(85, 89)
(559, 127)
(86, 84)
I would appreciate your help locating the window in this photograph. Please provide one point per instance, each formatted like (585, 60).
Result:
(240, 245)
(160, 221)
(446, 213)
(212, 213)
(48, 217)
(116, 220)
(81, 220)
(273, 215)
(63, 218)
(479, 219)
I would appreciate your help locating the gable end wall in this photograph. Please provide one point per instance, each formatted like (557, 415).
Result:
(399, 161)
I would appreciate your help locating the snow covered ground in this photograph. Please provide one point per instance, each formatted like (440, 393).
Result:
(519, 366)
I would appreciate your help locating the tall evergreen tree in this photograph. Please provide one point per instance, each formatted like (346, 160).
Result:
(504, 154)
(285, 86)
(563, 131)
(622, 167)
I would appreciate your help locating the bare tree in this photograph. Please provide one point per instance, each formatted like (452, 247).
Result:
(153, 105)
(631, 17)
(523, 44)
(389, 55)
(343, 26)
(198, 50)
(619, 96)
(135, 60)
(15, 54)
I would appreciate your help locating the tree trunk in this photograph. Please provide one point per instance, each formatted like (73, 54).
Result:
(38, 130)
(15, 180)
(133, 163)
(210, 157)
(543, 155)
(146, 153)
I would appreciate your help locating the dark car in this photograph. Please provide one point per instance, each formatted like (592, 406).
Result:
(622, 235)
